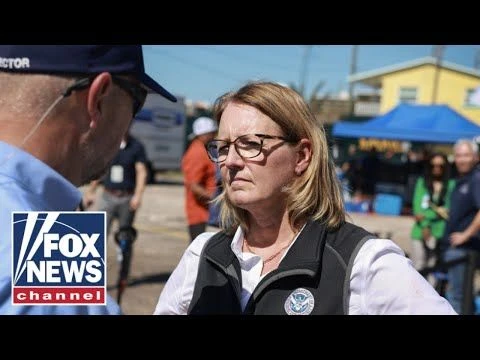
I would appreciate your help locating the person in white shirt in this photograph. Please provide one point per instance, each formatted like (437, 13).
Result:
(285, 246)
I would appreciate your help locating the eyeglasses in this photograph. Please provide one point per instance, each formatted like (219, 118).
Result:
(138, 93)
(247, 146)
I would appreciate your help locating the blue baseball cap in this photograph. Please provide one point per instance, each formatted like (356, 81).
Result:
(79, 59)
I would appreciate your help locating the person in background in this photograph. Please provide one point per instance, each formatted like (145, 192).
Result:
(463, 226)
(214, 206)
(199, 176)
(352, 170)
(431, 203)
(369, 174)
(123, 187)
(123, 184)
(285, 246)
(63, 112)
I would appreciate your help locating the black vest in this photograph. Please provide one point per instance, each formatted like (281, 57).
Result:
(312, 278)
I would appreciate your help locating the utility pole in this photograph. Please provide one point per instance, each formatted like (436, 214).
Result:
(353, 70)
(476, 63)
(304, 71)
(437, 53)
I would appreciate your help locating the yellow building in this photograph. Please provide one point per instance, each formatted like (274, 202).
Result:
(421, 81)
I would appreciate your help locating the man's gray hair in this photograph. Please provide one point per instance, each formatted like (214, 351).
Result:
(473, 145)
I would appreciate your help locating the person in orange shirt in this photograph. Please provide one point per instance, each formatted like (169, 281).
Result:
(199, 176)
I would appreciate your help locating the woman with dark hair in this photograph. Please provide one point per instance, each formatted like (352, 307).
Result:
(431, 201)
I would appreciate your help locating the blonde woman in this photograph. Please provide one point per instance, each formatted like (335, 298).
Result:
(285, 247)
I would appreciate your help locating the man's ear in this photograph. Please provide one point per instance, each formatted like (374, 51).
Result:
(304, 156)
(97, 92)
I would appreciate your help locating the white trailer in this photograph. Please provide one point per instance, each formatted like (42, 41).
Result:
(160, 126)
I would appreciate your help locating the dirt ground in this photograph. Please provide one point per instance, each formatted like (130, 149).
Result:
(162, 238)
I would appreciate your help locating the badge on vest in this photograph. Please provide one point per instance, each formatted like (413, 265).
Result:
(299, 302)
(463, 189)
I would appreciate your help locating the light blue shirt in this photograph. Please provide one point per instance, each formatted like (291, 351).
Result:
(28, 184)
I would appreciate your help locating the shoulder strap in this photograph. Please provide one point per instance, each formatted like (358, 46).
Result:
(348, 272)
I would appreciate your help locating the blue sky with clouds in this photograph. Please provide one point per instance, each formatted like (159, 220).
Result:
(204, 72)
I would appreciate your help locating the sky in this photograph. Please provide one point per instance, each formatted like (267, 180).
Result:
(204, 72)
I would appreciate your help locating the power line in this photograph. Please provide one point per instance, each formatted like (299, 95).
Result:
(241, 58)
(197, 65)
(245, 58)
(476, 62)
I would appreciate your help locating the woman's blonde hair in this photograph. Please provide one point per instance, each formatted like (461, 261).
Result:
(316, 194)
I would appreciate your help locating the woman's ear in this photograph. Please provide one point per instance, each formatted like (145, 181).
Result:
(97, 92)
(304, 156)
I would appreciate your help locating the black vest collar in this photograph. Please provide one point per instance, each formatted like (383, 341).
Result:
(307, 251)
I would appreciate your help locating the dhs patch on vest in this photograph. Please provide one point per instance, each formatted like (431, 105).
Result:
(58, 258)
(299, 302)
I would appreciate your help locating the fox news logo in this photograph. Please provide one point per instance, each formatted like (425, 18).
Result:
(58, 258)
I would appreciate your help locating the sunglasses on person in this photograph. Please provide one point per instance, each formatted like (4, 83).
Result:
(137, 92)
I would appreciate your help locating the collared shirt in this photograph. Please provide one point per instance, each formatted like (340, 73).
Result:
(383, 281)
(28, 184)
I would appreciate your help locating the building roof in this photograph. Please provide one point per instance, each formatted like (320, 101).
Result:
(372, 77)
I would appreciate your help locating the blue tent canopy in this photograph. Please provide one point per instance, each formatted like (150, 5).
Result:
(422, 123)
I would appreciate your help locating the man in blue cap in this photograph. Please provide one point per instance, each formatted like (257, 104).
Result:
(63, 112)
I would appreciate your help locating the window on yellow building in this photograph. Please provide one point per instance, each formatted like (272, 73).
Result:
(407, 95)
(472, 97)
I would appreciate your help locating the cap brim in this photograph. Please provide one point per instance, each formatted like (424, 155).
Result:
(156, 87)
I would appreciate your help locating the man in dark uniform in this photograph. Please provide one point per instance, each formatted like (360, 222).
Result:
(124, 184)
(123, 188)
(463, 226)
